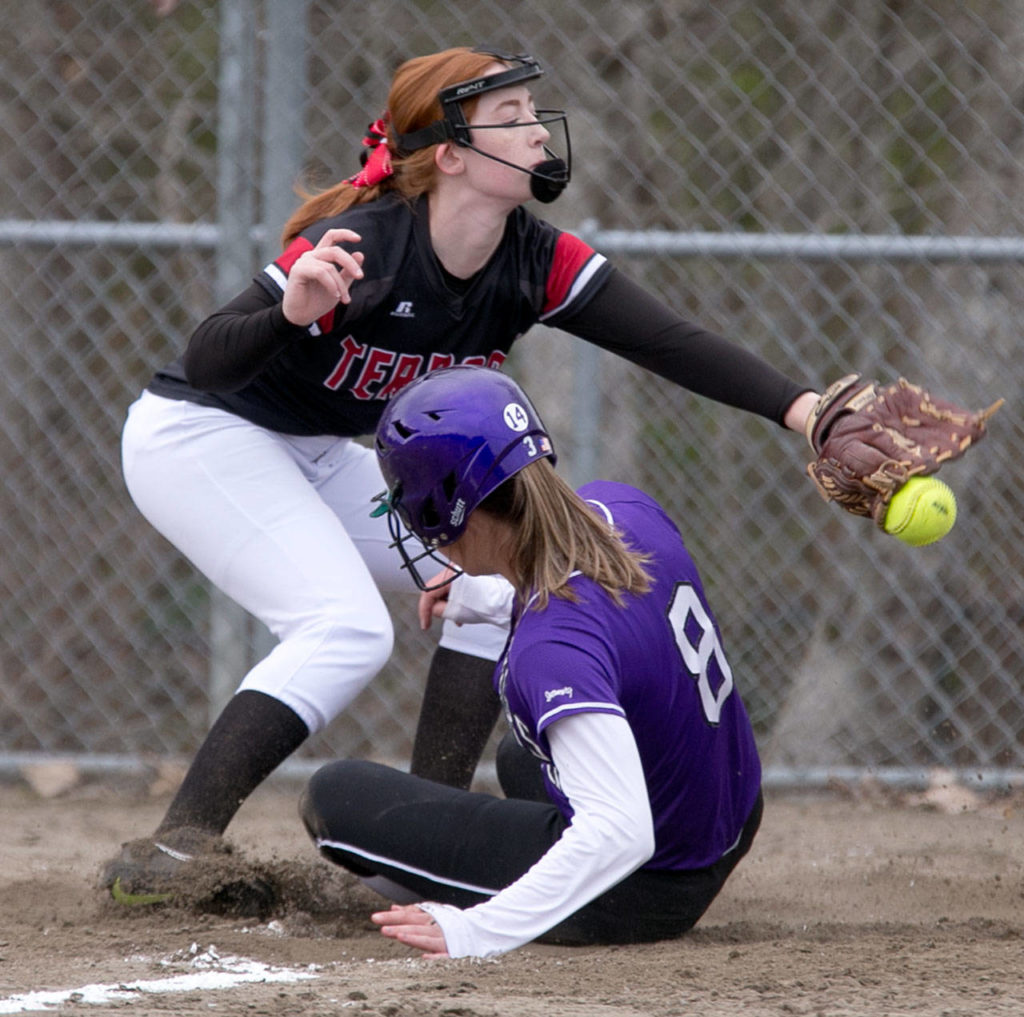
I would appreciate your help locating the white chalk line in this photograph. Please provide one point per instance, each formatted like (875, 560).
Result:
(222, 973)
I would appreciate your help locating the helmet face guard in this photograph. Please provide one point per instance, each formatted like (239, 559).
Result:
(444, 443)
(400, 537)
(547, 180)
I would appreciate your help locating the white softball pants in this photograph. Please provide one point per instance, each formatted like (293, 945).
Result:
(281, 524)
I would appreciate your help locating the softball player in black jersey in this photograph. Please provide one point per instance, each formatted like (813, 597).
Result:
(241, 451)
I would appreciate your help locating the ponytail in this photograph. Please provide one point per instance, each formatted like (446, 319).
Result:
(412, 104)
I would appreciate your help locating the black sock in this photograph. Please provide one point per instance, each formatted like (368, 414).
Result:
(254, 734)
(459, 709)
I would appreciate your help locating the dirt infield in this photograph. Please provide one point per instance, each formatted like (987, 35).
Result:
(851, 903)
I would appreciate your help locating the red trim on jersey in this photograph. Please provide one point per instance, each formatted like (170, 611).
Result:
(286, 261)
(326, 322)
(571, 255)
(292, 253)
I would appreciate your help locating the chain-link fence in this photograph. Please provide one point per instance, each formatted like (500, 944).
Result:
(838, 186)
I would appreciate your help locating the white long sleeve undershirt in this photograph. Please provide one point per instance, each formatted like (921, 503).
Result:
(476, 599)
(611, 835)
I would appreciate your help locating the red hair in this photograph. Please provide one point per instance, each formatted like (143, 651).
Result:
(413, 104)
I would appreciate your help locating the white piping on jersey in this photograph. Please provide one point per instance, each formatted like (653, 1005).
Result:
(596, 706)
(277, 275)
(412, 870)
(603, 509)
(736, 843)
(578, 284)
(281, 279)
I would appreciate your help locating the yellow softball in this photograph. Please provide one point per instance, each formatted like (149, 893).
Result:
(921, 512)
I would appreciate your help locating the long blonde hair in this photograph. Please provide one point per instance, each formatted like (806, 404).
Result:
(555, 533)
(412, 104)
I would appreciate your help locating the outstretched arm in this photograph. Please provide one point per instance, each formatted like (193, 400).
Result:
(625, 319)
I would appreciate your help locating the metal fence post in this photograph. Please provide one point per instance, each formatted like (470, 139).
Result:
(229, 628)
(283, 137)
(284, 124)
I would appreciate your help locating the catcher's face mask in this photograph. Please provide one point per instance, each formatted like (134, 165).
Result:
(549, 178)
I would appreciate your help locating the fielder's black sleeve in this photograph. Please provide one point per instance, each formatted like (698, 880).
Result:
(625, 319)
(235, 343)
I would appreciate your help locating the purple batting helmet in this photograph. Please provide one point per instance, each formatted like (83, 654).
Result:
(446, 441)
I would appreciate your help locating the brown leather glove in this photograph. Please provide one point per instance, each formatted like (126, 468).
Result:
(870, 440)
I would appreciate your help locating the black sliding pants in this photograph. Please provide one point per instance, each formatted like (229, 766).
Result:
(461, 847)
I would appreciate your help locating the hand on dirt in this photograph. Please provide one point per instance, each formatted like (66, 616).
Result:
(413, 927)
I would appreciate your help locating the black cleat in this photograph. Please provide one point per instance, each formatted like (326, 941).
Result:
(148, 870)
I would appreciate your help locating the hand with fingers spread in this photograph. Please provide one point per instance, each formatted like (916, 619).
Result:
(321, 278)
(411, 925)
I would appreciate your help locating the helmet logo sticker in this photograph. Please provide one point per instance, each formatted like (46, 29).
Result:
(516, 417)
(458, 513)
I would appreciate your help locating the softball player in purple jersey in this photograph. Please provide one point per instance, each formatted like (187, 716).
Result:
(241, 452)
(614, 681)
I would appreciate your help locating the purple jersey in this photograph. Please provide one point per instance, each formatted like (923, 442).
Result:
(657, 661)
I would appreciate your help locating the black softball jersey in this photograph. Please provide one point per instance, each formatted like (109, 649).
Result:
(408, 316)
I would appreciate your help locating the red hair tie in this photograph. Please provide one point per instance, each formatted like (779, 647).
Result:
(377, 162)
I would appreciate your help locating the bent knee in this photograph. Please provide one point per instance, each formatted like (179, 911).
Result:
(331, 792)
(374, 640)
(364, 639)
